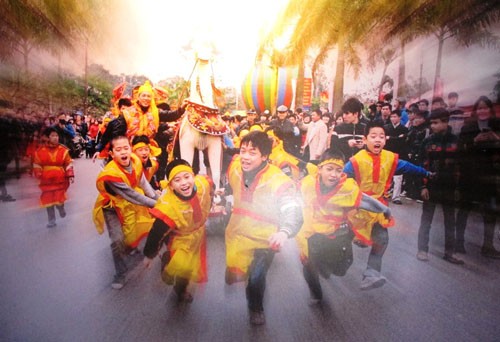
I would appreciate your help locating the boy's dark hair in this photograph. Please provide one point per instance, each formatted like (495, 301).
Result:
(387, 104)
(440, 114)
(437, 99)
(140, 138)
(373, 124)
(48, 130)
(331, 154)
(259, 140)
(397, 112)
(413, 108)
(419, 113)
(172, 164)
(424, 101)
(124, 102)
(119, 137)
(352, 105)
(453, 94)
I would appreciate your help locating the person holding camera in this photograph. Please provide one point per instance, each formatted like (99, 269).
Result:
(347, 137)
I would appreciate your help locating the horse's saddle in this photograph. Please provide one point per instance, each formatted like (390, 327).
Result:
(206, 120)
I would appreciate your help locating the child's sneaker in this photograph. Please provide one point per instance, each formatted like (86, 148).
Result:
(7, 198)
(51, 224)
(257, 317)
(62, 211)
(118, 281)
(372, 279)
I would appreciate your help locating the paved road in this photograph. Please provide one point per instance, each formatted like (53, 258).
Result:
(55, 286)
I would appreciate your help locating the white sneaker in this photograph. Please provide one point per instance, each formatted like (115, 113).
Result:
(118, 282)
(422, 256)
(372, 282)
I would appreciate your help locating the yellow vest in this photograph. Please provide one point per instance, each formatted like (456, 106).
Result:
(323, 213)
(373, 173)
(135, 219)
(186, 219)
(255, 214)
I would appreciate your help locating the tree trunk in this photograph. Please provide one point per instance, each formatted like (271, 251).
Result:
(338, 85)
(441, 39)
(299, 87)
(382, 79)
(402, 88)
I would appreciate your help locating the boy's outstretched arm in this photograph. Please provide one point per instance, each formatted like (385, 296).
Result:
(368, 203)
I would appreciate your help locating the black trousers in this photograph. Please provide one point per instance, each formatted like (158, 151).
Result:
(428, 209)
(256, 284)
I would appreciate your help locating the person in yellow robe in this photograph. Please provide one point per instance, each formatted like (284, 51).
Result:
(143, 117)
(181, 214)
(122, 204)
(292, 166)
(373, 170)
(266, 212)
(147, 153)
(325, 239)
(53, 166)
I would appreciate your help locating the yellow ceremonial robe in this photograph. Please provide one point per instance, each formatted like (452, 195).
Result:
(324, 213)
(136, 220)
(255, 214)
(139, 123)
(373, 173)
(186, 219)
(282, 159)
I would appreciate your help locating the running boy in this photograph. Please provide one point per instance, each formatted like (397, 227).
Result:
(181, 214)
(373, 170)
(53, 166)
(122, 205)
(266, 212)
(325, 240)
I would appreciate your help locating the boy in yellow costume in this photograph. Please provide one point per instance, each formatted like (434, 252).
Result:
(373, 170)
(266, 212)
(123, 201)
(289, 164)
(147, 153)
(181, 214)
(325, 240)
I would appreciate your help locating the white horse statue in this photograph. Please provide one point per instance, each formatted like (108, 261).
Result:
(202, 126)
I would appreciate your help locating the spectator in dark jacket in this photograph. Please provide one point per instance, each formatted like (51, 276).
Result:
(418, 131)
(479, 147)
(396, 142)
(440, 157)
(347, 137)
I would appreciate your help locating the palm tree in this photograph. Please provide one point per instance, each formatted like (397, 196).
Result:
(326, 24)
(467, 21)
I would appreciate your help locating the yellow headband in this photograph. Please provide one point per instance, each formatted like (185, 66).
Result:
(139, 145)
(145, 87)
(179, 168)
(338, 162)
(155, 151)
